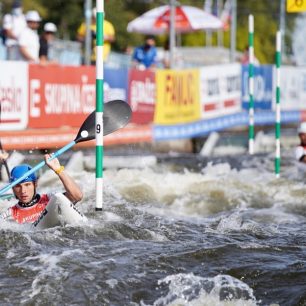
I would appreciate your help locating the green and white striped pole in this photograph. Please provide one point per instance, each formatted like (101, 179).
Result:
(251, 84)
(277, 108)
(99, 103)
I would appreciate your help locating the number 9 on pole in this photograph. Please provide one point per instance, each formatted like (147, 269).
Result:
(98, 128)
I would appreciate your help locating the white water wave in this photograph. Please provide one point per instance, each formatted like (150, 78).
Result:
(192, 290)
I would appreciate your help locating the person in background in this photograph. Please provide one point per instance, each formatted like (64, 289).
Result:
(145, 56)
(166, 55)
(244, 59)
(13, 24)
(28, 39)
(109, 36)
(45, 41)
(30, 203)
(300, 150)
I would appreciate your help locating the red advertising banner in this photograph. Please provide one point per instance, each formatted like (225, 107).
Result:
(60, 95)
(31, 139)
(142, 95)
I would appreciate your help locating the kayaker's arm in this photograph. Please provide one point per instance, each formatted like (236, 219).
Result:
(73, 191)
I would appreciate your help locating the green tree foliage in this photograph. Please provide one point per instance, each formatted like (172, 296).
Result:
(120, 12)
(266, 24)
(69, 14)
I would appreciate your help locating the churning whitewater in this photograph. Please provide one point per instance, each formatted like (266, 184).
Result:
(181, 231)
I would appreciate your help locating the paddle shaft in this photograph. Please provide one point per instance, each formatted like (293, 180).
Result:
(38, 166)
(6, 196)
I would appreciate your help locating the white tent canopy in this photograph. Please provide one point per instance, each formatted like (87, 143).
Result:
(187, 19)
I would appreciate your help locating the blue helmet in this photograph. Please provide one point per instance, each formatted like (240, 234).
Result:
(19, 171)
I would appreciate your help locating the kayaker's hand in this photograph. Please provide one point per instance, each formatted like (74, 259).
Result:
(3, 155)
(53, 164)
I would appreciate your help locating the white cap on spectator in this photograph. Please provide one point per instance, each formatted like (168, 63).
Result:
(50, 27)
(302, 128)
(32, 16)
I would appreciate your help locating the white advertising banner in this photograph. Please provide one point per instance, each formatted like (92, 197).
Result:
(292, 88)
(220, 90)
(13, 95)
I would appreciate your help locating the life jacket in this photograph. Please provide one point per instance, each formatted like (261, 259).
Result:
(29, 214)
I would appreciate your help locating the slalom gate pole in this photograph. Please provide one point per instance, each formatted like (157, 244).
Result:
(251, 85)
(99, 103)
(277, 109)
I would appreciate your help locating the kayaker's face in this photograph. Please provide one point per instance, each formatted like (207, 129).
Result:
(25, 191)
(303, 138)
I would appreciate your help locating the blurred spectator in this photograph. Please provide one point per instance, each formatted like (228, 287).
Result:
(13, 24)
(166, 55)
(45, 41)
(109, 36)
(128, 50)
(28, 39)
(244, 59)
(145, 56)
(300, 150)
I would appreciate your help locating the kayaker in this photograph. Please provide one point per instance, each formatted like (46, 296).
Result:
(300, 151)
(30, 203)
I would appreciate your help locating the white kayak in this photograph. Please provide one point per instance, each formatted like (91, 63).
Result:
(59, 211)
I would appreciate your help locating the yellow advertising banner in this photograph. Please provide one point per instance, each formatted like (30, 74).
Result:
(178, 96)
(294, 6)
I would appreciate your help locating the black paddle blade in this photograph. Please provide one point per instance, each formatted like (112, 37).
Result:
(116, 115)
(87, 129)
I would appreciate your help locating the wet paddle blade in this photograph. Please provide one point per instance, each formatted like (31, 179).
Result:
(87, 130)
(117, 114)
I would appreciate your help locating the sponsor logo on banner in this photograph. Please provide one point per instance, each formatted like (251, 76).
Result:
(178, 98)
(294, 6)
(220, 90)
(292, 88)
(13, 95)
(63, 96)
(262, 87)
(142, 95)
